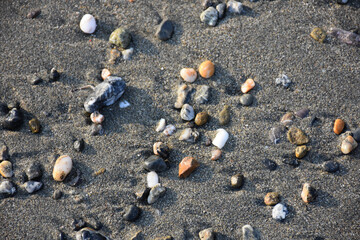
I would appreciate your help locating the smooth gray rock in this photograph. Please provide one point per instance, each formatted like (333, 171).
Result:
(209, 16)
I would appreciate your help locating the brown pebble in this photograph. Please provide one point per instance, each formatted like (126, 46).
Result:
(308, 193)
(237, 181)
(272, 198)
(339, 125)
(318, 34)
(296, 136)
(34, 125)
(301, 151)
(100, 171)
(206, 69)
(34, 13)
(287, 119)
(215, 154)
(348, 145)
(224, 117)
(247, 85)
(201, 118)
(187, 166)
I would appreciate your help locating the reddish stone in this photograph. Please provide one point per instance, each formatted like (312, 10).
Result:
(187, 166)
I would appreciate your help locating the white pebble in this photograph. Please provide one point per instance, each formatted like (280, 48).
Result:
(169, 130)
(152, 179)
(279, 212)
(97, 117)
(234, 7)
(88, 24)
(161, 125)
(127, 53)
(220, 138)
(124, 104)
(62, 168)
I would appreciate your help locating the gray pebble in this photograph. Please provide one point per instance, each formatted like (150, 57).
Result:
(165, 30)
(356, 135)
(34, 171)
(275, 134)
(246, 99)
(79, 145)
(57, 194)
(155, 163)
(283, 80)
(96, 129)
(32, 186)
(7, 188)
(132, 213)
(4, 153)
(183, 95)
(234, 7)
(209, 16)
(202, 96)
(187, 112)
(302, 113)
(155, 193)
(248, 233)
(221, 8)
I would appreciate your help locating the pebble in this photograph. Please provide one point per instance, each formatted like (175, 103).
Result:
(206, 4)
(127, 53)
(34, 13)
(189, 135)
(169, 130)
(246, 99)
(124, 104)
(331, 166)
(221, 138)
(79, 145)
(155, 163)
(78, 224)
(114, 55)
(287, 119)
(300, 151)
(182, 95)
(99, 172)
(270, 164)
(234, 7)
(339, 125)
(161, 149)
(248, 233)
(318, 34)
(4, 153)
(161, 125)
(156, 192)
(187, 112)
(75, 178)
(272, 198)
(97, 117)
(142, 195)
(296, 136)
(283, 80)
(347, 37)
(207, 234)
(292, 162)
(13, 120)
(215, 154)
(152, 179)
(206, 69)
(201, 118)
(348, 145)
(7, 188)
(247, 85)
(221, 8)
(202, 95)
(34, 125)
(279, 212)
(165, 30)
(6, 169)
(54, 75)
(96, 129)
(88, 24)
(356, 135)
(209, 17)
(36, 80)
(34, 171)
(188, 74)
(120, 38)
(62, 167)
(187, 166)
(308, 193)
(275, 134)
(57, 194)
(237, 181)
(302, 113)
(132, 213)
(32, 186)
(105, 73)
(89, 234)
(342, 1)
(224, 116)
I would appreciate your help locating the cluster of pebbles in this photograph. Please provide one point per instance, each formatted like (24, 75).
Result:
(216, 11)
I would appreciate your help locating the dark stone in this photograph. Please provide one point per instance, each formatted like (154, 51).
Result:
(356, 135)
(292, 162)
(61, 236)
(155, 163)
(3, 109)
(4, 153)
(78, 224)
(57, 194)
(96, 129)
(164, 30)
(132, 213)
(342, 2)
(36, 80)
(270, 164)
(54, 75)
(34, 171)
(206, 4)
(13, 120)
(142, 195)
(331, 166)
(79, 145)
(34, 13)
(89, 234)
(75, 178)
(302, 113)
(246, 99)
(221, 8)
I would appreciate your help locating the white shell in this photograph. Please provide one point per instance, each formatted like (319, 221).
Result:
(127, 53)
(152, 179)
(62, 168)
(169, 130)
(161, 125)
(88, 24)
(279, 212)
(124, 104)
(220, 138)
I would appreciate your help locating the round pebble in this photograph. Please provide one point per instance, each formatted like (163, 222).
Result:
(209, 17)
(318, 34)
(165, 30)
(132, 213)
(279, 212)
(246, 99)
(97, 117)
(234, 7)
(201, 118)
(207, 234)
(62, 167)
(188, 74)
(348, 145)
(6, 169)
(105, 73)
(54, 75)
(308, 193)
(272, 198)
(88, 24)
(287, 119)
(152, 179)
(215, 154)
(34, 125)
(206, 69)
(187, 112)
(331, 166)
(237, 181)
(120, 38)
(339, 125)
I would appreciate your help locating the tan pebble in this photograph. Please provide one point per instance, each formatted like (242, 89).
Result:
(215, 154)
(206, 69)
(237, 181)
(105, 73)
(296, 136)
(97, 117)
(287, 119)
(339, 126)
(34, 125)
(318, 34)
(247, 85)
(201, 118)
(301, 151)
(161, 149)
(6, 169)
(62, 168)
(272, 198)
(348, 145)
(224, 115)
(188, 74)
(100, 171)
(187, 166)
(308, 193)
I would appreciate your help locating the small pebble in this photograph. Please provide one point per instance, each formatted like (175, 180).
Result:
(34, 171)
(189, 135)
(270, 164)
(221, 138)
(32, 186)
(342, 1)
(237, 181)
(296, 136)
(6, 169)
(207, 69)
(161, 125)
(96, 129)
(152, 179)
(114, 55)
(207, 234)
(215, 154)
(209, 17)
(54, 75)
(165, 30)
(187, 166)
(183, 95)
(287, 119)
(120, 38)
(348, 145)
(88, 24)
(202, 96)
(247, 85)
(36, 80)
(356, 135)
(62, 167)
(79, 145)
(89, 234)
(224, 116)
(127, 53)
(132, 213)
(221, 8)
(301, 151)
(339, 125)
(188, 74)
(4, 153)
(57, 194)
(142, 195)
(156, 192)
(13, 120)
(155, 163)
(187, 112)
(318, 34)
(272, 198)
(7, 188)
(279, 212)
(248, 233)
(331, 166)
(169, 130)
(207, 141)
(161, 149)
(292, 162)
(100, 171)
(302, 113)
(105, 73)
(283, 80)
(124, 104)
(75, 178)
(206, 4)
(34, 125)
(97, 117)
(33, 13)
(201, 118)
(246, 99)
(308, 193)
(234, 7)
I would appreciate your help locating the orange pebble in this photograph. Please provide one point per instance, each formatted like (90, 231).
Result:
(248, 85)
(339, 126)
(188, 74)
(187, 166)
(206, 69)
(105, 73)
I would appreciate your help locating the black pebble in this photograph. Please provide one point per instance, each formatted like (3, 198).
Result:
(78, 224)
(54, 75)
(142, 195)
(34, 171)
(132, 213)
(270, 164)
(79, 145)
(13, 120)
(342, 2)
(75, 178)
(165, 30)
(356, 135)
(36, 80)
(292, 162)
(155, 163)
(57, 194)
(331, 166)
(34, 13)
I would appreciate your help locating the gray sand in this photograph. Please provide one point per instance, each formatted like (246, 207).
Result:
(269, 38)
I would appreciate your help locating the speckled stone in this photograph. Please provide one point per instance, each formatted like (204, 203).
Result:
(201, 118)
(34, 125)
(224, 116)
(296, 136)
(120, 38)
(246, 99)
(318, 34)
(207, 234)
(209, 16)
(301, 151)
(308, 193)
(272, 198)
(237, 181)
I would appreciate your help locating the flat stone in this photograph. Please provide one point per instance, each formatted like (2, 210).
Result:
(224, 116)
(155, 163)
(183, 96)
(202, 96)
(246, 99)
(272, 198)
(207, 234)
(331, 166)
(201, 118)
(348, 145)
(318, 34)
(296, 136)
(132, 213)
(209, 16)
(301, 151)
(237, 181)
(187, 166)
(165, 30)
